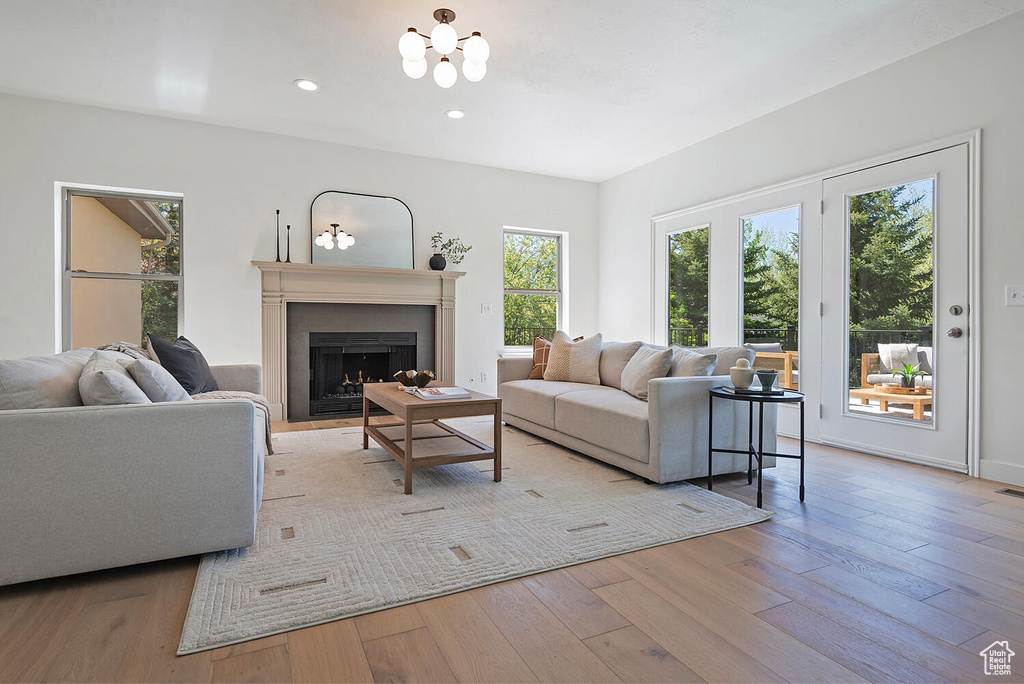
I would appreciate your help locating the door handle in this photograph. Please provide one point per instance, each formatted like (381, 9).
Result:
(955, 333)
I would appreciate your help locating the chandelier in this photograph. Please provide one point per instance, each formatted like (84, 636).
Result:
(445, 40)
(327, 238)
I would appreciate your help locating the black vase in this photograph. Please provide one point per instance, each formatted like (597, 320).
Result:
(438, 262)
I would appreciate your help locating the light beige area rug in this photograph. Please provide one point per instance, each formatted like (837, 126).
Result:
(337, 538)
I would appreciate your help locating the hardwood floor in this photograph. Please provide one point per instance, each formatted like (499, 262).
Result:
(888, 572)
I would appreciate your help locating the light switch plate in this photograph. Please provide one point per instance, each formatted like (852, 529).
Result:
(1015, 295)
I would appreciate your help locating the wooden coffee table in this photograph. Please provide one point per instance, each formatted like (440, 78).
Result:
(918, 401)
(412, 410)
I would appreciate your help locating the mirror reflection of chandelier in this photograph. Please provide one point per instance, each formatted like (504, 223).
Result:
(445, 41)
(328, 238)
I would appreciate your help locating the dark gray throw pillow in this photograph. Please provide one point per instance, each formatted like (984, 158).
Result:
(186, 363)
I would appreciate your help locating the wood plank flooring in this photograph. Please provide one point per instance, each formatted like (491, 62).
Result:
(888, 572)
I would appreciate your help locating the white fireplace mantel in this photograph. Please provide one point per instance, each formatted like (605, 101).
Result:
(291, 282)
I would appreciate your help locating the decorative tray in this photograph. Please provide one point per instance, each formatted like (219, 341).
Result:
(761, 392)
(902, 390)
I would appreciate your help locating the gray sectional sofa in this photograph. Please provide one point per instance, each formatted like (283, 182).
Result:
(89, 487)
(663, 439)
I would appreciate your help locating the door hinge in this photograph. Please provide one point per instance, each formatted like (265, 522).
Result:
(821, 309)
(821, 410)
(821, 207)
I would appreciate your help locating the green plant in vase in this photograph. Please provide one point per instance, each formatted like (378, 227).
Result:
(907, 374)
(452, 249)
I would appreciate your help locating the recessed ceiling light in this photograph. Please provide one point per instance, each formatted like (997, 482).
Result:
(455, 113)
(306, 84)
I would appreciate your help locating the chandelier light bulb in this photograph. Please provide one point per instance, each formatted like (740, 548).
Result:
(476, 48)
(473, 71)
(329, 244)
(445, 73)
(411, 46)
(444, 38)
(415, 68)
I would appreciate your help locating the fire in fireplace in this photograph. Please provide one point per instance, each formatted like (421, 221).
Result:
(341, 363)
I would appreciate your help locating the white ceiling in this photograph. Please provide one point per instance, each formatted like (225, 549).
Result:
(577, 88)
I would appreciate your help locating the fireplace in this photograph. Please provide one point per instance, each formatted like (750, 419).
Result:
(341, 363)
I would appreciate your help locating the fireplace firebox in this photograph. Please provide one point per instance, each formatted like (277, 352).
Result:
(341, 363)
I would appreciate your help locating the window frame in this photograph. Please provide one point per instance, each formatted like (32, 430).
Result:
(68, 193)
(559, 238)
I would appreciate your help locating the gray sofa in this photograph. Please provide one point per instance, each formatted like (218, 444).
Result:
(663, 439)
(89, 487)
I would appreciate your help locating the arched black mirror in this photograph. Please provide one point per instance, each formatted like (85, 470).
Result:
(352, 229)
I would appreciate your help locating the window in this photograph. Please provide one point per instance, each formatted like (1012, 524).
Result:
(771, 278)
(122, 268)
(688, 287)
(533, 286)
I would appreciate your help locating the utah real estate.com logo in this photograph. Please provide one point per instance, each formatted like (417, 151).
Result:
(997, 658)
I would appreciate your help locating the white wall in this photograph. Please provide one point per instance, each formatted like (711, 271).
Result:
(970, 82)
(232, 180)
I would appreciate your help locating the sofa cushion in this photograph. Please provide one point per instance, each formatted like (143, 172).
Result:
(648, 363)
(614, 357)
(534, 400)
(613, 420)
(570, 361)
(158, 384)
(104, 382)
(691, 364)
(186, 363)
(42, 381)
(727, 356)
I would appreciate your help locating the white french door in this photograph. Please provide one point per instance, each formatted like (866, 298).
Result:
(895, 290)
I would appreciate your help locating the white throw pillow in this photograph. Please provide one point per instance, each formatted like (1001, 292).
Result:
(614, 357)
(105, 383)
(155, 380)
(570, 361)
(647, 363)
(691, 364)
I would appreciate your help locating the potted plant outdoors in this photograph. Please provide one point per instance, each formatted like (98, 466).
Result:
(908, 374)
(452, 249)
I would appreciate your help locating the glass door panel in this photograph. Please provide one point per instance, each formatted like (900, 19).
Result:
(891, 301)
(895, 288)
(771, 291)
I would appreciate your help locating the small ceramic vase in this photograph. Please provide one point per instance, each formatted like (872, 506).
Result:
(741, 374)
(767, 378)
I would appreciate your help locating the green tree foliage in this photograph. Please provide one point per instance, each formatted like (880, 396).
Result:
(531, 264)
(688, 280)
(771, 278)
(160, 297)
(890, 260)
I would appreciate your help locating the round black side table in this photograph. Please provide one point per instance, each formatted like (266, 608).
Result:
(752, 452)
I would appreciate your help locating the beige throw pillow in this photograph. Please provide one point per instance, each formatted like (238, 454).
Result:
(614, 357)
(648, 363)
(105, 383)
(570, 361)
(691, 364)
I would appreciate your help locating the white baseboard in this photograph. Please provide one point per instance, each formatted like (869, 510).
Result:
(1002, 472)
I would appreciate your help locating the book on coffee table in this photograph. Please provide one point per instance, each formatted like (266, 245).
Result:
(435, 393)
